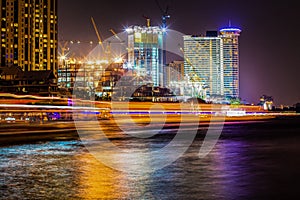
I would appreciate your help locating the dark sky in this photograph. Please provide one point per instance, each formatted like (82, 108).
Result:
(269, 42)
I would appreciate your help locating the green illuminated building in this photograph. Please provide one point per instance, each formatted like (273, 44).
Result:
(145, 55)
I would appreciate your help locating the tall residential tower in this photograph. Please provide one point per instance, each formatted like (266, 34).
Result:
(29, 34)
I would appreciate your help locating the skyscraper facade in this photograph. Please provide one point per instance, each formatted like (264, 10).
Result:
(214, 60)
(230, 42)
(145, 54)
(29, 34)
(203, 62)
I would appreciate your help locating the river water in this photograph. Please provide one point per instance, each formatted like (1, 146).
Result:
(251, 160)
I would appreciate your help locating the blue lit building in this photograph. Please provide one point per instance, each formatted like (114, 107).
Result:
(145, 55)
(230, 42)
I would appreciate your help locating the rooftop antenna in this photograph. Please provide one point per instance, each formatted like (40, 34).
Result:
(229, 23)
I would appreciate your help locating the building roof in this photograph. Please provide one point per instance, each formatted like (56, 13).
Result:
(28, 75)
(231, 29)
(36, 75)
(11, 70)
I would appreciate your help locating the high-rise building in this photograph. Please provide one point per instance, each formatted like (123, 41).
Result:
(29, 34)
(213, 60)
(175, 79)
(145, 54)
(230, 42)
(175, 72)
(203, 62)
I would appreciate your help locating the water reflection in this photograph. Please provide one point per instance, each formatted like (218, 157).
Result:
(238, 167)
(97, 180)
(38, 170)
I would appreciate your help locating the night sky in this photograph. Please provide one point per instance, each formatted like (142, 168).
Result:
(269, 42)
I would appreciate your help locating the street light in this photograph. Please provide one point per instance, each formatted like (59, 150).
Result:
(64, 66)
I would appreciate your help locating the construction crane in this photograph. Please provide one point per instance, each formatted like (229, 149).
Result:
(201, 91)
(109, 42)
(194, 76)
(148, 20)
(107, 49)
(97, 33)
(116, 36)
(165, 16)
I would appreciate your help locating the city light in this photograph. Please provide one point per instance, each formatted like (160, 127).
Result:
(128, 30)
(63, 57)
(230, 29)
(90, 62)
(118, 60)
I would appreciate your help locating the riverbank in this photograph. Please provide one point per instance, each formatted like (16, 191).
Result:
(19, 133)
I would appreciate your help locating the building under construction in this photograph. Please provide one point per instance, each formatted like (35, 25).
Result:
(145, 53)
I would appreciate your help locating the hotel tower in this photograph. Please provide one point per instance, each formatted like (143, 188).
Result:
(214, 60)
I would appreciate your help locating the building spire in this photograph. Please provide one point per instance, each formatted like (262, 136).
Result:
(229, 23)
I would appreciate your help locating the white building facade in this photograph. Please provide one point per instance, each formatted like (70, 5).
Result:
(213, 61)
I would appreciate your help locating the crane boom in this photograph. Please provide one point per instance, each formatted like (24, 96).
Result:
(194, 77)
(193, 72)
(122, 42)
(115, 34)
(97, 33)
